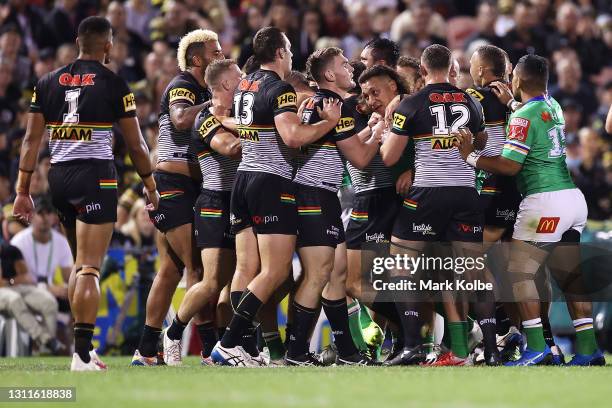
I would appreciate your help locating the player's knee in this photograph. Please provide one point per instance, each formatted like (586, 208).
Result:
(88, 270)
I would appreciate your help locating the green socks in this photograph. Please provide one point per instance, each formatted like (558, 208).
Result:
(535, 334)
(458, 338)
(275, 345)
(585, 336)
(354, 314)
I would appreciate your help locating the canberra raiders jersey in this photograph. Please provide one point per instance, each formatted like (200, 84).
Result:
(80, 102)
(536, 139)
(218, 171)
(320, 164)
(496, 116)
(430, 116)
(259, 98)
(375, 175)
(174, 144)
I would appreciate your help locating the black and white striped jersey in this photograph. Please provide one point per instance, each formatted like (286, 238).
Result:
(375, 175)
(259, 98)
(80, 102)
(496, 116)
(430, 116)
(321, 164)
(174, 144)
(218, 171)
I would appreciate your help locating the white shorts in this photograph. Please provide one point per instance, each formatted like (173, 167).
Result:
(544, 217)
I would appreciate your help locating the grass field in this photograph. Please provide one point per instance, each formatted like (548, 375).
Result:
(196, 386)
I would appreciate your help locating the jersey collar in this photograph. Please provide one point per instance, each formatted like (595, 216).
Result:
(327, 92)
(538, 98)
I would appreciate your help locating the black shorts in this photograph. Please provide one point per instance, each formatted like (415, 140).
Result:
(178, 195)
(264, 201)
(372, 217)
(500, 199)
(84, 189)
(440, 214)
(212, 220)
(319, 222)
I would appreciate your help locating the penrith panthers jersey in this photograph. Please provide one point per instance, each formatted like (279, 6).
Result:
(80, 102)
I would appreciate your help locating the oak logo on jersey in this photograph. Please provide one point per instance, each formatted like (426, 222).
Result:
(447, 97)
(518, 129)
(475, 94)
(129, 102)
(398, 120)
(345, 124)
(181, 94)
(443, 143)
(547, 225)
(286, 99)
(246, 85)
(76, 133)
(66, 79)
(248, 134)
(211, 123)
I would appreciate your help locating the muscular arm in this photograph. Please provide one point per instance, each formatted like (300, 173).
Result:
(360, 154)
(499, 165)
(137, 148)
(31, 141)
(392, 149)
(183, 116)
(296, 134)
(226, 144)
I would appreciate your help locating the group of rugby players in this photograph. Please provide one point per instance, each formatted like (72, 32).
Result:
(249, 170)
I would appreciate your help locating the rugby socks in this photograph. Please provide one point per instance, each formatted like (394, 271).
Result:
(175, 331)
(242, 320)
(458, 338)
(354, 315)
(428, 340)
(547, 330)
(83, 333)
(235, 299)
(275, 345)
(249, 340)
(585, 336)
(208, 337)
(410, 322)
(303, 320)
(503, 320)
(364, 316)
(337, 314)
(535, 334)
(148, 341)
(485, 315)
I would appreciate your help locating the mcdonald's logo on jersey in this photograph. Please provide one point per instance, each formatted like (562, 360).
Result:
(547, 225)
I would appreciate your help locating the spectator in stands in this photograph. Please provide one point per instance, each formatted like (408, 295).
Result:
(63, 21)
(174, 23)
(65, 55)
(10, 44)
(569, 86)
(31, 24)
(139, 13)
(523, 38)
(590, 176)
(361, 31)
(570, 26)
(21, 299)
(123, 36)
(9, 95)
(435, 26)
(486, 19)
(312, 28)
(252, 21)
(409, 68)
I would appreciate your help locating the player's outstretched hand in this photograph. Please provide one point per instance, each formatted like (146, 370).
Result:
(152, 199)
(464, 142)
(331, 110)
(23, 208)
(502, 91)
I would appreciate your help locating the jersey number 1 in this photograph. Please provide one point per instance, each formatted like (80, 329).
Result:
(72, 97)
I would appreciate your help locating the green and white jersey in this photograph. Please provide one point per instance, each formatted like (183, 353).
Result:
(536, 139)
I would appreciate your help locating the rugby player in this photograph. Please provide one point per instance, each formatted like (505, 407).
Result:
(177, 175)
(78, 105)
(320, 229)
(263, 210)
(442, 204)
(218, 153)
(370, 218)
(552, 211)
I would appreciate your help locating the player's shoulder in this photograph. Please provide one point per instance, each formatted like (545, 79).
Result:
(482, 94)
(206, 122)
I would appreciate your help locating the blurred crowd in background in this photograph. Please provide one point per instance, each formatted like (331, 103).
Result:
(38, 36)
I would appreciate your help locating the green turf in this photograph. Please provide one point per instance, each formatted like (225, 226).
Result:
(339, 387)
